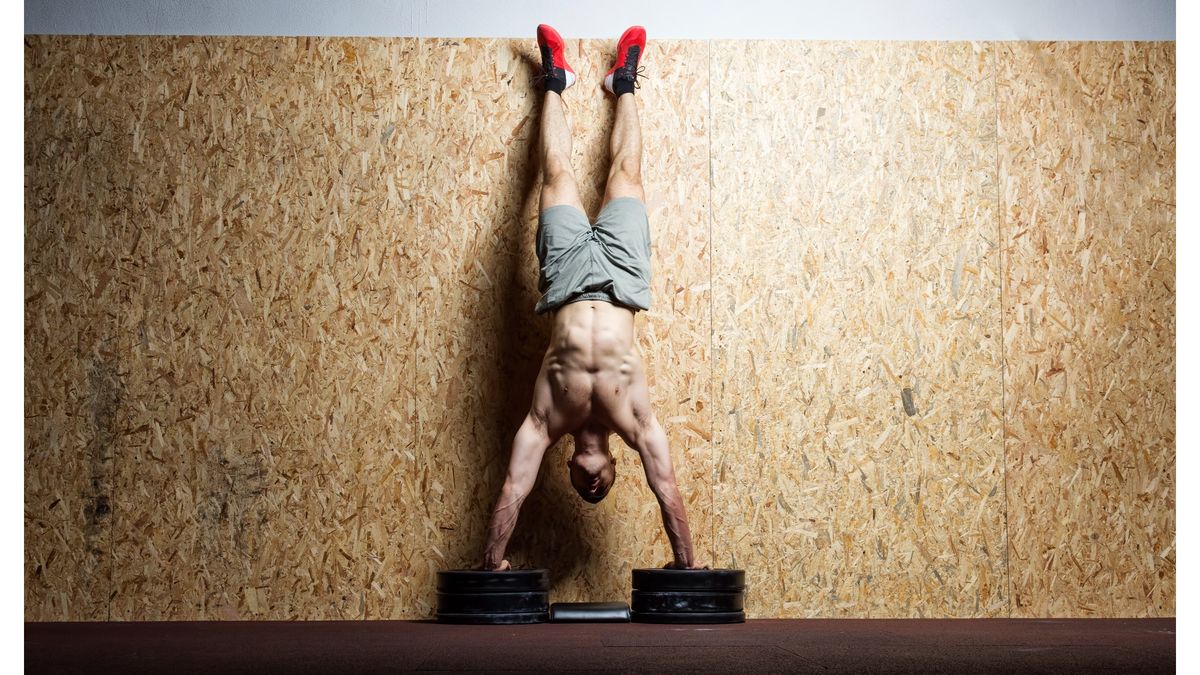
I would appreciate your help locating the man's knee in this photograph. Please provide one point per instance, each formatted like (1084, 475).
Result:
(558, 187)
(630, 168)
(627, 170)
(557, 167)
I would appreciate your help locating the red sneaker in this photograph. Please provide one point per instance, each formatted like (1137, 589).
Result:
(554, 61)
(624, 73)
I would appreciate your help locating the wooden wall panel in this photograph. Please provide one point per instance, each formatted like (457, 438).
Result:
(265, 303)
(473, 350)
(76, 198)
(856, 319)
(1087, 151)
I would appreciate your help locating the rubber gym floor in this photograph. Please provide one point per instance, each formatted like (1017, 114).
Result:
(760, 646)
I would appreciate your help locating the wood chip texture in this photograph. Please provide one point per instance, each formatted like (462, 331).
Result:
(912, 338)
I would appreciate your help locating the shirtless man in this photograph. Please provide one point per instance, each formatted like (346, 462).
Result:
(593, 278)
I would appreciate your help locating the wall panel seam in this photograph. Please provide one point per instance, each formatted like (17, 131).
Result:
(712, 382)
(1003, 354)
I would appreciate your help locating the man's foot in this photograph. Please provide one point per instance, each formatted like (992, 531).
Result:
(556, 74)
(622, 78)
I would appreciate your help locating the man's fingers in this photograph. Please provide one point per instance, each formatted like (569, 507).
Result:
(676, 566)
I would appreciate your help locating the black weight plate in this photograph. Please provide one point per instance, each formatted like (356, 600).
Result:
(476, 581)
(485, 603)
(690, 617)
(687, 601)
(689, 580)
(495, 618)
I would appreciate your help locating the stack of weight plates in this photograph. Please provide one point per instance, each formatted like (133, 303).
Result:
(514, 596)
(688, 596)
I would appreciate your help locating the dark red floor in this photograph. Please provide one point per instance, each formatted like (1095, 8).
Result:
(762, 646)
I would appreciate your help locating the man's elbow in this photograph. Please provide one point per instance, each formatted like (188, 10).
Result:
(513, 492)
(667, 492)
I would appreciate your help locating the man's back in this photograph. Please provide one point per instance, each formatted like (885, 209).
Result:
(592, 371)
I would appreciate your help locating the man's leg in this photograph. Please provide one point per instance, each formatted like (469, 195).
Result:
(625, 148)
(558, 181)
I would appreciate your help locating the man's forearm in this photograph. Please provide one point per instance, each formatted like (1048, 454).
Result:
(676, 524)
(504, 520)
(529, 444)
(656, 458)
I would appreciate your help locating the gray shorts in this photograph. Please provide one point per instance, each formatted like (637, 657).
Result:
(607, 261)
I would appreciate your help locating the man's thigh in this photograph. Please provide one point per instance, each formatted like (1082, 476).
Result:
(560, 229)
(624, 226)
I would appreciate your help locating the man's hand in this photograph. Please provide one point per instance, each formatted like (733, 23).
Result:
(502, 567)
(675, 565)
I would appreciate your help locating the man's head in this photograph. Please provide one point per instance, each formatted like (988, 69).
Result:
(592, 467)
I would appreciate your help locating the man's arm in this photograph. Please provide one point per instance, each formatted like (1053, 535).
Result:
(528, 446)
(651, 444)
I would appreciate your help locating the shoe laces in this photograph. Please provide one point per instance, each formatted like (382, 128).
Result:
(628, 73)
(542, 75)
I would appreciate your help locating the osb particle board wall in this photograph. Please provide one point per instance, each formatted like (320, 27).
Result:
(1087, 166)
(913, 333)
(857, 268)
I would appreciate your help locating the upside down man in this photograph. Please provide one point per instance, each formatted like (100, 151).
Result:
(593, 278)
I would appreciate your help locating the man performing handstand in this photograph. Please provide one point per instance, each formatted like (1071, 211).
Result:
(593, 278)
